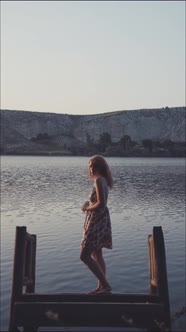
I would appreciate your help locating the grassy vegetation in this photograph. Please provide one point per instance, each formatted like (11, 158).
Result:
(39, 150)
(43, 144)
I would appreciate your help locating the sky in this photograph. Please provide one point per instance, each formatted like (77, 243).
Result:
(90, 57)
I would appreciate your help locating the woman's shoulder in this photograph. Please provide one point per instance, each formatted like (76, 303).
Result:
(101, 180)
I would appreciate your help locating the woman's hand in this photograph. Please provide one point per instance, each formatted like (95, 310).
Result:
(84, 206)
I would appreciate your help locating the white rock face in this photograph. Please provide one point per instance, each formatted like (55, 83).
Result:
(30, 124)
(141, 124)
(155, 124)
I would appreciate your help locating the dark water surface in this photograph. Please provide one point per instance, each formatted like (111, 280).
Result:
(45, 194)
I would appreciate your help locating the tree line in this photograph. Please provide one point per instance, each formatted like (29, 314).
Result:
(123, 147)
(126, 146)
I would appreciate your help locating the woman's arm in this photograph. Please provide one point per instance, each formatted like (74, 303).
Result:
(100, 194)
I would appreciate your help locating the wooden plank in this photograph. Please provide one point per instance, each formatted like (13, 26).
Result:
(162, 282)
(27, 272)
(30, 263)
(27, 281)
(18, 270)
(81, 297)
(31, 286)
(89, 329)
(86, 314)
(30, 237)
(33, 269)
(152, 266)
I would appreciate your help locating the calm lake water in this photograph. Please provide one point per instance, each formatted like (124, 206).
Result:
(45, 193)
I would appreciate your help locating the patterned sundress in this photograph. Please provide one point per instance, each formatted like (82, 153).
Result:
(97, 232)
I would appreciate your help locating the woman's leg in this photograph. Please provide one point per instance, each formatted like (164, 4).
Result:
(100, 260)
(85, 256)
(98, 256)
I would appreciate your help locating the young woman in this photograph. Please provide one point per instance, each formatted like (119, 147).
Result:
(97, 227)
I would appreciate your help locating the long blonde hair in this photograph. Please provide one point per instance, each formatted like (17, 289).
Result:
(100, 164)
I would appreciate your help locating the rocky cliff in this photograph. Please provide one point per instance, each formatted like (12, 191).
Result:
(19, 127)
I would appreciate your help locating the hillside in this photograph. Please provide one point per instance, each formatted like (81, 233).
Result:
(36, 129)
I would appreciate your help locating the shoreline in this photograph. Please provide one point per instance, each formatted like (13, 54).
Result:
(59, 154)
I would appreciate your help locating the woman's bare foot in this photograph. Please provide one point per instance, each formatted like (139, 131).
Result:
(104, 290)
(94, 291)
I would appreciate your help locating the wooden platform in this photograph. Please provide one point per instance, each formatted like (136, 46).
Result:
(88, 329)
(31, 311)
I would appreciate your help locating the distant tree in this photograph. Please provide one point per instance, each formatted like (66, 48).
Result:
(104, 141)
(41, 136)
(113, 150)
(181, 144)
(126, 142)
(148, 144)
(133, 143)
(45, 136)
(158, 144)
(169, 145)
(105, 138)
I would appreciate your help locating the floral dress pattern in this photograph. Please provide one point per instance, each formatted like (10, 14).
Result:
(97, 231)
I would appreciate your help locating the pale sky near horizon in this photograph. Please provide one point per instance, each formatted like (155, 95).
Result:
(88, 57)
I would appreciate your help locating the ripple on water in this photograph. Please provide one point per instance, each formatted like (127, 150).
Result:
(46, 198)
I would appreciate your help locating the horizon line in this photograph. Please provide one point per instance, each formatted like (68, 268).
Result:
(92, 114)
